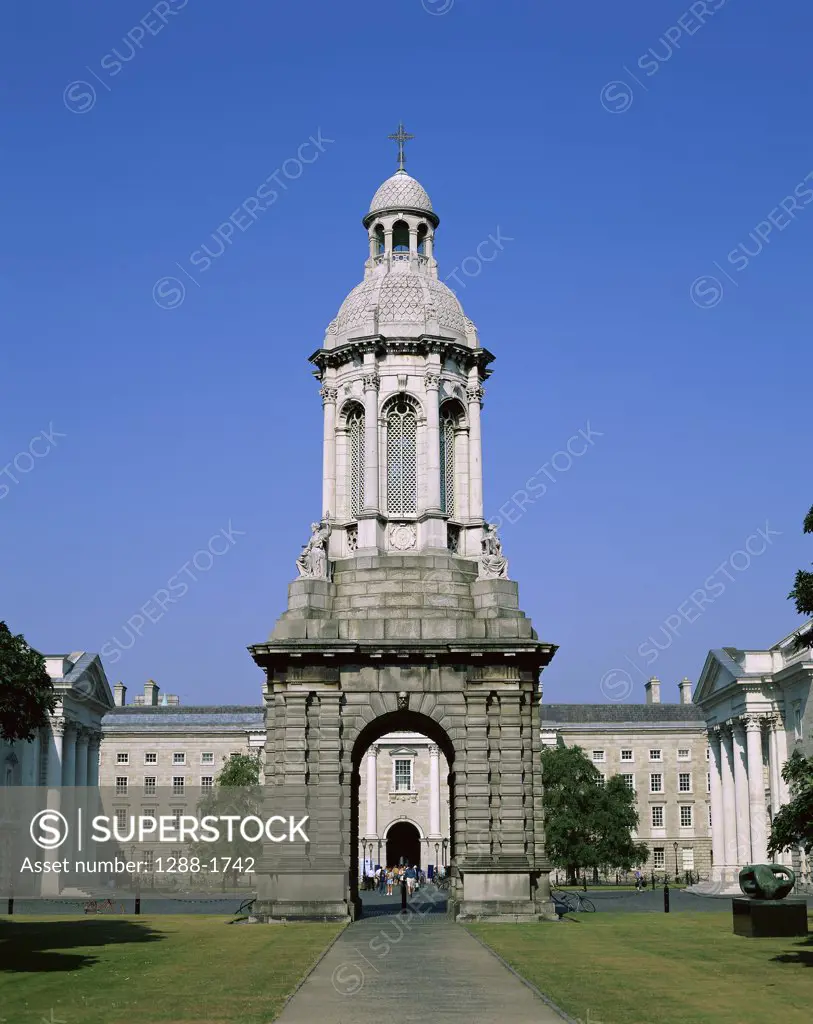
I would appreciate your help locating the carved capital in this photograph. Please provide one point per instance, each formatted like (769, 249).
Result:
(58, 726)
(431, 380)
(434, 750)
(714, 735)
(371, 381)
(475, 393)
(329, 394)
(752, 723)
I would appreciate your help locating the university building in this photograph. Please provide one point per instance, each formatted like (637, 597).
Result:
(402, 682)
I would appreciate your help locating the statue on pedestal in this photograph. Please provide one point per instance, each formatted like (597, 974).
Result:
(492, 564)
(313, 562)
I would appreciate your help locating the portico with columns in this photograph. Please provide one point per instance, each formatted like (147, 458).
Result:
(752, 702)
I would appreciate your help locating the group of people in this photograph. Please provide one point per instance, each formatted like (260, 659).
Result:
(386, 880)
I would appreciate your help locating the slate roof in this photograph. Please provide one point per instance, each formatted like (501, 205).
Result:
(618, 714)
(206, 718)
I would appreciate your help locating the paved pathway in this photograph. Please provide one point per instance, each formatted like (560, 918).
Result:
(421, 968)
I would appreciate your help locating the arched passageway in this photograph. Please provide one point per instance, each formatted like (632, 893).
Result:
(404, 845)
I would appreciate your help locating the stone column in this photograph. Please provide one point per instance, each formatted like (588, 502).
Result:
(729, 798)
(372, 792)
(473, 846)
(329, 396)
(55, 740)
(94, 743)
(434, 791)
(474, 395)
(31, 761)
(432, 383)
(461, 456)
(69, 756)
(717, 817)
(82, 742)
(372, 382)
(512, 790)
(741, 795)
(773, 763)
(781, 757)
(756, 790)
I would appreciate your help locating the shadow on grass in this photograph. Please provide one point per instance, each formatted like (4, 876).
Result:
(33, 946)
(801, 957)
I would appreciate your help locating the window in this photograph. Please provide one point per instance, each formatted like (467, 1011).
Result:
(598, 755)
(448, 422)
(709, 816)
(688, 858)
(207, 758)
(179, 757)
(402, 457)
(178, 785)
(121, 785)
(657, 817)
(798, 733)
(708, 754)
(658, 861)
(379, 239)
(601, 780)
(686, 819)
(708, 782)
(149, 785)
(655, 755)
(355, 433)
(149, 860)
(403, 775)
(148, 812)
(234, 753)
(175, 814)
(121, 818)
(684, 782)
(122, 758)
(656, 783)
(400, 236)
(151, 757)
(629, 781)
(626, 755)
(206, 782)
(684, 754)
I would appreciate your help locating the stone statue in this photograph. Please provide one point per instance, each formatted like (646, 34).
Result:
(766, 881)
(313, 562)
(492, 564)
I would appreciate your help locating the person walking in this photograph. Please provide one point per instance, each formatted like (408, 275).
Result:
(390, 880)
(410, 880)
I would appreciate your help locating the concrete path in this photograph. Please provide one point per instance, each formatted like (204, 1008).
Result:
(421, 968)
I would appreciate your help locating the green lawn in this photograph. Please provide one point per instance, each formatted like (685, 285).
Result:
(140, 970)
(660, 969)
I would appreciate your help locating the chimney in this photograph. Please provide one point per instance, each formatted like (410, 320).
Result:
(653, 690)
(120, 695)
(685, 686)
(151, 693)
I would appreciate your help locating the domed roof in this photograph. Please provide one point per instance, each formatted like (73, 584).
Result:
(401, 192)
(402, 298)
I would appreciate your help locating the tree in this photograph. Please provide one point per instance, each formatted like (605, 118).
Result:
(792, 824)
(587, 825)
(802, 593)
(26, 692)
(236, 791)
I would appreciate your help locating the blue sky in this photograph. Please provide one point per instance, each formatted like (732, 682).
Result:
(647, 164)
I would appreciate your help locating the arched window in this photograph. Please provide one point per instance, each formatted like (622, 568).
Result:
(448, 422)
(423, 231)
(379, 240)
(355, 431)
(402, 457)
(400, 236)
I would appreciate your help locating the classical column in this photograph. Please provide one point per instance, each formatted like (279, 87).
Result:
(372, 792)
(717, 818)
(461, 459)
(741, 794)
(372, 382)
(756, 790)
(31, 761)
(781, 757)
(434, 790)
(474, 395)
(729, 798)
(69, 756)
(773, 763)
(82, 742)
(432, 383)
(55, 740)
(94, 742)
(329, 396)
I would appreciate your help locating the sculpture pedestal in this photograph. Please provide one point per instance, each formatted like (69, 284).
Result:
(763, 919)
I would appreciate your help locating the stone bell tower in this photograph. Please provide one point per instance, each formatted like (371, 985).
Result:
(403, 616)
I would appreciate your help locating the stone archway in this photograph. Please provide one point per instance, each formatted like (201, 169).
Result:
(468, 678)
(403, 844)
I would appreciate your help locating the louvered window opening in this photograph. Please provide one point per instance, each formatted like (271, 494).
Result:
(402, 460)
(355, 425)
(447, 496)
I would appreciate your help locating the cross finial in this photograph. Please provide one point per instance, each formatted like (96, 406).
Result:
(401, 136)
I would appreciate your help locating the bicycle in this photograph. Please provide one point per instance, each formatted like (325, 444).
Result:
(444, 884)
(574, 901)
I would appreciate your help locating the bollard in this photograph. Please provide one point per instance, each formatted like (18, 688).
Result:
(138, 905)
(10, 906)
(403, 896)
(666, 897)
(653, 881)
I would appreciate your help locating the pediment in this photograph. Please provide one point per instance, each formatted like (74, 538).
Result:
(403, 752)
(719, 672)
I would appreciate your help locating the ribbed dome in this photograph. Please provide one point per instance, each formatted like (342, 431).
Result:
(401, 192)
(402, 298)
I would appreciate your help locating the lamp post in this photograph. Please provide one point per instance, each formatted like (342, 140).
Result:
(445, 844)
(437, 848)
(369, 869)
(677, 873)
(137, 882)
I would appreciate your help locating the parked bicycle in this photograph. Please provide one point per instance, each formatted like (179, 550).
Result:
(101, 906)
(574, 902)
